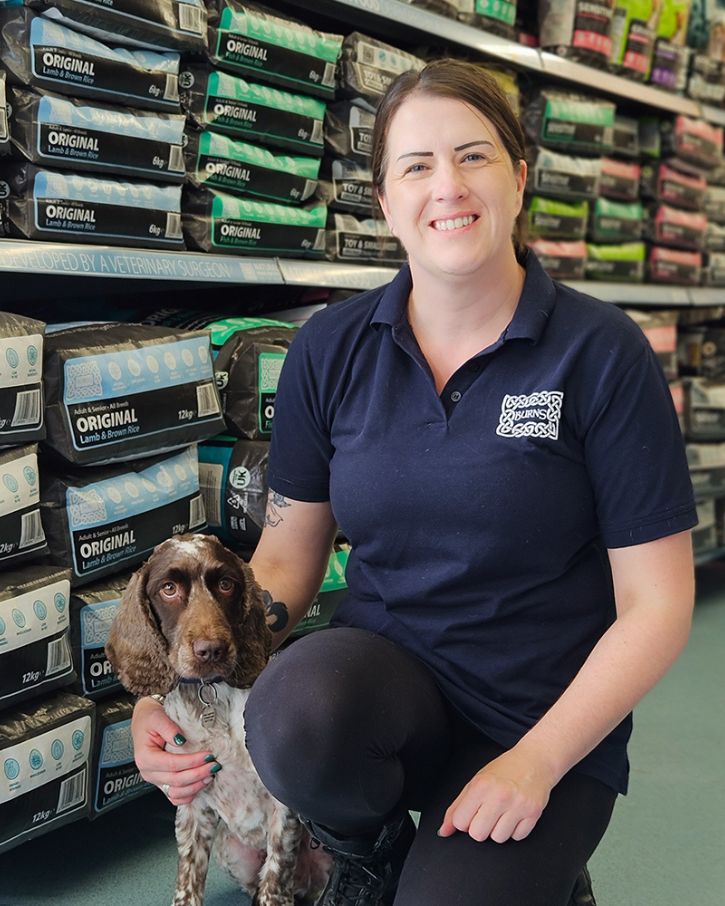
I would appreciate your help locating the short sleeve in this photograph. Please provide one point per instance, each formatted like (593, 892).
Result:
(300, 451)
(636, 459)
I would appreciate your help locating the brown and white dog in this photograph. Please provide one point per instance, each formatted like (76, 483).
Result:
(192, 626)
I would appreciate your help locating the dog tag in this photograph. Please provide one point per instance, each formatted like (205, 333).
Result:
(208, 695)
(208, 717)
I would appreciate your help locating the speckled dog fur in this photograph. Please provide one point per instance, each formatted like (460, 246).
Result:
(194, 595)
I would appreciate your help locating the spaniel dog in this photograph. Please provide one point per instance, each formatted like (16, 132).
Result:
(191, 626)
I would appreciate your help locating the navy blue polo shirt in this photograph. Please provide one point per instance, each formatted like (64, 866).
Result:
(479, 518)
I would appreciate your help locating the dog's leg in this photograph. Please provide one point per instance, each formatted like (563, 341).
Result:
(277, 878)
(195, 831)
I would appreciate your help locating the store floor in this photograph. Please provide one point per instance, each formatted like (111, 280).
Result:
(664, 847)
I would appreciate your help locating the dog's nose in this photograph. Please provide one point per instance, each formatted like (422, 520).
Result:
(209, 650)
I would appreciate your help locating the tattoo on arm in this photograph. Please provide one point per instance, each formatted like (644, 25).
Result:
(277, 613)
(275, 503)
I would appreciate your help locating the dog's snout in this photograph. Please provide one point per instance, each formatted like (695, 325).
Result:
(209, 651)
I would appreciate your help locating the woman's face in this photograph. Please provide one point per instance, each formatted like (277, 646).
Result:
(451, 194)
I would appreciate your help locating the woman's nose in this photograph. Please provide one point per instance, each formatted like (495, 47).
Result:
(449, 182)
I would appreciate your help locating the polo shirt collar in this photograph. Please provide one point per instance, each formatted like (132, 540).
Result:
(538, 297)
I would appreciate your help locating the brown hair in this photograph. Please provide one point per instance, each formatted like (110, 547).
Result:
(462, 81)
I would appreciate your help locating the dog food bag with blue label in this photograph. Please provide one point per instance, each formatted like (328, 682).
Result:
(251, 41)
(368, 66)
(120, 391)
(218, 222)
(256, 113)
(107, 520)
(21, 379)
(84, 135)
(4, 132)
(21, 530)
(35, 654)
(65, 207)
(92, 610)
(40, 53)
(233, 482)
(240, 168)
(247, 366)
(115, 779)
(161, 24)
(45, 750)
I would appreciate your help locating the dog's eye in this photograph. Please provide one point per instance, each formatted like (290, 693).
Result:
(227, 585)
(169, 589)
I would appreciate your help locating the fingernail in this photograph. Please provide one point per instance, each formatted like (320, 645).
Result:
(179, 739)
(209, 758)
(215, 768)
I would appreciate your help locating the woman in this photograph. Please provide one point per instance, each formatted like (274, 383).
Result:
(503, 455)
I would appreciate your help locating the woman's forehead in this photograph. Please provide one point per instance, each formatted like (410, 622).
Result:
(436, 117)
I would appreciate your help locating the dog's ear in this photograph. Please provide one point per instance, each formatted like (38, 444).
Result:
(135, 646)
(253, 636)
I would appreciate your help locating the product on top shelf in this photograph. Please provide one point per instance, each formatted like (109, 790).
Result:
(241, 168)
(351, 238)
(673, 227)
(612, 221)
(665, 183)
(570, 122)
(168, 24)
(551, 219)
(254, 42)
(634, 25)
(21, 379)
(87, 136)
(42, 54)
(367, 66)
(671, 55)
(666, 265)
(346, 186)
(620, 180)
(495, 16)
(45, 204)
(349, 130)
(562, 260)
(218, 222)
(256, 113)
(577, 29)
(21, 531)
(563, 176)
(620, 262)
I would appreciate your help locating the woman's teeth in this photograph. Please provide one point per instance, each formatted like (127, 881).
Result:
(454, 223)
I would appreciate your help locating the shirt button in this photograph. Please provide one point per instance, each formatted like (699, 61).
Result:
(455, 396)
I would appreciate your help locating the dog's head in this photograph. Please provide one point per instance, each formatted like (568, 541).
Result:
(192, 611)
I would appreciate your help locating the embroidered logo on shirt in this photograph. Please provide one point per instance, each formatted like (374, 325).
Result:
(531, 415)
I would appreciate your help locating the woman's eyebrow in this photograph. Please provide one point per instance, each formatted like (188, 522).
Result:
(458, 148)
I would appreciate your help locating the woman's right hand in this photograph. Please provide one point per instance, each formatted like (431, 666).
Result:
(159, 752)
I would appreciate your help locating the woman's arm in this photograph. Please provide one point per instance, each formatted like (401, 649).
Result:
(654, 593)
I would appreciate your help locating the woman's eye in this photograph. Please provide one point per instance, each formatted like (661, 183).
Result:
(226, 584)
(168, 589)
(474, 157)
(415, 168)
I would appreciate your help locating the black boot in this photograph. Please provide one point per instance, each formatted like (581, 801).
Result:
(365, 870)
(583, 895)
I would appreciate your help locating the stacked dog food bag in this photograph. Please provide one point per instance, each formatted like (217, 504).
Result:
(255, 111)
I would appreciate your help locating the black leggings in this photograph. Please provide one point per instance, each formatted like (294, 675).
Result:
(345, 727)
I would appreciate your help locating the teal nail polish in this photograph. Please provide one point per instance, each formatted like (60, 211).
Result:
(179, 739)
(215, 768)
(209, 758)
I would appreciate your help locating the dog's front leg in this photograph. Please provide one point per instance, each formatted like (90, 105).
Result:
(277, 877)
(195, 831)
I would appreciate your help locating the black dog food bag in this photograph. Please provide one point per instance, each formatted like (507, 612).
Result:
(42, 54)
(368, 66)
(92, 610)
(45, 204)
(115, 779)
(107, 520)
(121, 391)
(167, 24)
(35, 654)
(45, 750)
(21, 530)
(254, 43)
(21, 379)
(88, 136)
(233, 481)
(4, 132)
(349, 130)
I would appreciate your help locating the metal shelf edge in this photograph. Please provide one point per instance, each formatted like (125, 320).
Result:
(633, 293)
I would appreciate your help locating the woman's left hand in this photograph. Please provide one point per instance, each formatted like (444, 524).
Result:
(503, 801)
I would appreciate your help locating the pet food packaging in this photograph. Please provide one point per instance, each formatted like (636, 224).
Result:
(706, 82)
(233, 482)
(715, 237)
(21, 530)
(650, 141)
(694, 142)
(368, 66)
(39, 53)
(623, 262)
(550, 219)
(330, 595)
(222, 223)
(667, 265)
(707, 468)
(121, 391)
(35, 655)
(107, 520)
(162, 24)
(671, 55)
(351, 238)
(115, 779)
(495, 16)
(620, 180)
(570, 123)
(633, 33)
(4, 131)
(348, 129)
(713, 272)
(660, 328)
(561, 260)
(87, 136)
(626, 137)
(45, 750)
(701, 351)
(612, 221)
(577, 29)
(714, 203)
(664, 183)
(255, 113)
(563, 176)
(60, 207)
(679, 229)
(347, 186)
(251, 41)
(240, 168)
(92, 610)
(704, 409)
(21, 379)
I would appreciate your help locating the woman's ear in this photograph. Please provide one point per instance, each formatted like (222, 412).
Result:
(382, 201)
(135, 646)
(521, 174)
